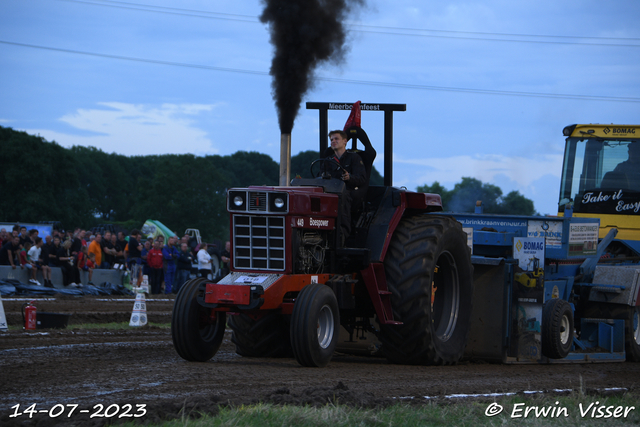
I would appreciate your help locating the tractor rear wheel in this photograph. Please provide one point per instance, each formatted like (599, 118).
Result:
(267, 336)
(315, 325)
(196, 331)
(430, 277)
(557, 328)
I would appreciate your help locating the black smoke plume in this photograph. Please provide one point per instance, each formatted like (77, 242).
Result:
(304, 33)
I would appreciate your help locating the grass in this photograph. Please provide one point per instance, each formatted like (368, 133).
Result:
(463, 413)
(118, 325)
(110, 326)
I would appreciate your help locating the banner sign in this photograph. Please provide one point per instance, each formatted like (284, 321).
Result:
(583, 239)
(529, 251)
(621, 201)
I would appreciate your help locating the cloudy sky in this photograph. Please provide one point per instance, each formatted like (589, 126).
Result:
(489, 85)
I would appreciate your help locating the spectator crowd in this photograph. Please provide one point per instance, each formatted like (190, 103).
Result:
(167, 265)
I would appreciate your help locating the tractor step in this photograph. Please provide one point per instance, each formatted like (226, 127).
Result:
(607, 321)
(376, 282)
(363, 253)
(608, 289)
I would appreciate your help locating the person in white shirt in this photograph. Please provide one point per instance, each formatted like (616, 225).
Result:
(33, 260)
(204, 261)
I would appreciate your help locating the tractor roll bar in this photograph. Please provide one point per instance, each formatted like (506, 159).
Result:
(388, 109)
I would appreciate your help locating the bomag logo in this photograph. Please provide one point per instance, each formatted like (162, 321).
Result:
(619, 131)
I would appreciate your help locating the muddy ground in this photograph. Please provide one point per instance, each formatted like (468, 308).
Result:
(56, 369)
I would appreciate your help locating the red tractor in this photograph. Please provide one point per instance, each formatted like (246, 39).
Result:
(404, 274)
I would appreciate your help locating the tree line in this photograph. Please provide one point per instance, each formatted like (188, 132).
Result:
(465, 194)
(84, 186)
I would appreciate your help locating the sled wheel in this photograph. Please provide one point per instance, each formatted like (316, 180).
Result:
(430, 277)
(196, 331)
(267, 336)
(315, 325)
(632, 326)
(557, 328)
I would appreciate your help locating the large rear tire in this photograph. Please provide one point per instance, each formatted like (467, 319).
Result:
(315, 325)
(557, 329)
(197, 331)
(430, 277)
(264, 337)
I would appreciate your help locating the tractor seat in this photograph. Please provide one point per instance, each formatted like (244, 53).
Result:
(368, 155)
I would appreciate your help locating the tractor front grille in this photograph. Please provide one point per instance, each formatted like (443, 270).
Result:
(258, 243)
(258, 201)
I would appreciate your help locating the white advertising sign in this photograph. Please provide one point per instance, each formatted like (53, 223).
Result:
(529, 251)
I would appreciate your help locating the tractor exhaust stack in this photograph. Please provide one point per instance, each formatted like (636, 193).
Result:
(285, 159)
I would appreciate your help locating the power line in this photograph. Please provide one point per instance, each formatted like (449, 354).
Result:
(181, 9)
(130, 58)
(499, 40)
(496, 34)
(336, 80)
(170, 10)
(373, 29)
(485, 91)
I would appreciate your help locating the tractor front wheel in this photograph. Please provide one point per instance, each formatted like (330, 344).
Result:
(196, 331)
(315, 325)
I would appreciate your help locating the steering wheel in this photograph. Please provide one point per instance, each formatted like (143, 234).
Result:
(325, 175)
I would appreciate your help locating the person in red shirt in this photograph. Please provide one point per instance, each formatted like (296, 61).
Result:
(86, 262)
(90, 265)
(24, 260)
(155, 261)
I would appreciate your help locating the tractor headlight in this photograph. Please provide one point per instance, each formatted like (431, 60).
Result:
(278, 202)
(237, 200)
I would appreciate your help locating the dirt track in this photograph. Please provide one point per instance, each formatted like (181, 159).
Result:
(140, 366)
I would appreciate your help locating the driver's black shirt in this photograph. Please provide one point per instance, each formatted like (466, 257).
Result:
(352, 163)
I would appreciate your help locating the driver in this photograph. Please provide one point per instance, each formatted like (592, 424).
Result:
(632, 164)
(351, 171)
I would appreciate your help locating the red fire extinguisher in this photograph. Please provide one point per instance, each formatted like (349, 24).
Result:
(29, 315)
